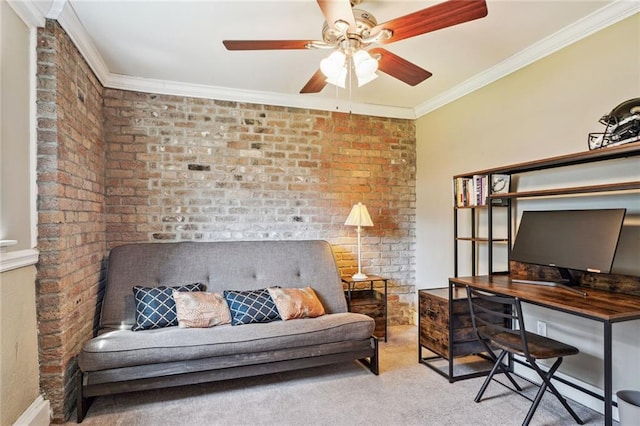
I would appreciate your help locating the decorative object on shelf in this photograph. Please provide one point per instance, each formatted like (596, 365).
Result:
(623, 126)
(359, 217)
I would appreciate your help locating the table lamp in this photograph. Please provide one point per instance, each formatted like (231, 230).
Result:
(359, 217)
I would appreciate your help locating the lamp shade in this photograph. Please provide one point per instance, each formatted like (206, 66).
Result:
(340, 79)
(359, 216)
(333, 65)
(364, 80)
(364, 64)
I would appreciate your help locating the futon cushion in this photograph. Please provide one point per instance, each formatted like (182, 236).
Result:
(295, 303)
(201, 309)
(251, 306)
(155, 306)
(117, 348)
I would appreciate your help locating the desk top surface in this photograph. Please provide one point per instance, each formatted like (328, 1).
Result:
(599, 305)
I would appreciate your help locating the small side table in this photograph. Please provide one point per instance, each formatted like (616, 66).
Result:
(369, 301)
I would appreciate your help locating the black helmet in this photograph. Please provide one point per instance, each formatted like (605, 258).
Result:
(623, 126)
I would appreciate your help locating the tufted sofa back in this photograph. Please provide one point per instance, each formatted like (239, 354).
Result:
(225, 265)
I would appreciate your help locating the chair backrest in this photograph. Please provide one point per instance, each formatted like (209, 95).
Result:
(498, 319)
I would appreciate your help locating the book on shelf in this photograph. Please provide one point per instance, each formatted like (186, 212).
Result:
(474, 190)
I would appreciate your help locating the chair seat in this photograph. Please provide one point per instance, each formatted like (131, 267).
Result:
(540, 347)
(493, 317)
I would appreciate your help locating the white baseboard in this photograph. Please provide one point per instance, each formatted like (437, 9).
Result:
(38, 414)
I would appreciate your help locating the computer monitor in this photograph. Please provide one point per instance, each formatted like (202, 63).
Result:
(583, 240)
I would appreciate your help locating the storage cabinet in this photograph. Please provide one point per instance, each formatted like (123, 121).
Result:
(363, 298)
(445, 329)
(435, 318)
(371, 303)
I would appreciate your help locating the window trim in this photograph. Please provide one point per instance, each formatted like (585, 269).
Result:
(9, 260)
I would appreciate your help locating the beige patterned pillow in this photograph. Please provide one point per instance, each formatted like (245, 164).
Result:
(295, 303)
(201, 309)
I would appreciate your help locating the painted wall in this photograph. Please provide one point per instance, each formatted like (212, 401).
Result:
(14, 129)
(19, 377)
(542, 110)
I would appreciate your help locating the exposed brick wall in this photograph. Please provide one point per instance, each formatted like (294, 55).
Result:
(71, 223)
(117, 167)
(196, 169)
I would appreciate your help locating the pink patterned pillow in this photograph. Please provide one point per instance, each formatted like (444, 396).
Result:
(201, 309)
(295, 303)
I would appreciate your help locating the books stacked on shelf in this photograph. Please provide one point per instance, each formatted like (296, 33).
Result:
(474, 190)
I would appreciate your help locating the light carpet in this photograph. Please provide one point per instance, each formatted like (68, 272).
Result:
(405, 393)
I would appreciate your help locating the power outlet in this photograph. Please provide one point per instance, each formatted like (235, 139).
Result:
(542, 328)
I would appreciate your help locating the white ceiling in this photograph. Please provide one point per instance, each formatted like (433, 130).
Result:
(176, 47)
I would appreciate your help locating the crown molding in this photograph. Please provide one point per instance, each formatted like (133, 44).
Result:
(28, 12)
(164, 87)
(600, 19)
(56, 8)
(68, 19)
(78, 34)
(606, 16)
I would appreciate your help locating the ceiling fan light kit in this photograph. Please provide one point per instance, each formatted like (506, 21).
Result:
(351, 31)
(336, 67)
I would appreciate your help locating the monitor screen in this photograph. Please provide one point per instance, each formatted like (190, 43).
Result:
(583, 240)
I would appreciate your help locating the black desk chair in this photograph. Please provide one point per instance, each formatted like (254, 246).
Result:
(492, 317)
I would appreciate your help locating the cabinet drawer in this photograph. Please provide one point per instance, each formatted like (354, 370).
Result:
(435, 322)
(370, 303)
(434, 310)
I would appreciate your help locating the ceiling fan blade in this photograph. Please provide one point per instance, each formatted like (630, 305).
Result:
(266, 44)
(338, 10)
(399, 68)
(315, 84)
(442, 15)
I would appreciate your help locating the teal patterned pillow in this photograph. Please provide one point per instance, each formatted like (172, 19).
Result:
(155, 306)
(251, 306)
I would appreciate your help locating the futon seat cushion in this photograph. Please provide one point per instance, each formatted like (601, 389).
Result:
(125, 348)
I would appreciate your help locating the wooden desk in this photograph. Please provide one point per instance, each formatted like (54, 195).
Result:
(603, 306)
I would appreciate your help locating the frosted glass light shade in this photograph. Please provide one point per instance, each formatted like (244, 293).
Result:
(364, 64)
(333, 65)
(364, 80)
(339, 80)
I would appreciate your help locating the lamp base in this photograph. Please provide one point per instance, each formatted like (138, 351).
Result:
(359, 276)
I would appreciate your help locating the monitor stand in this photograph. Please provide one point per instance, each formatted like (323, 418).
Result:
(568, 283)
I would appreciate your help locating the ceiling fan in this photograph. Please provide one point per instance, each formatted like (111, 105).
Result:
(350, 31)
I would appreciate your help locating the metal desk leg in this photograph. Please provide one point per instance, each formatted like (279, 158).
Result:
(450, 301)
(608, 388)
(386, 333)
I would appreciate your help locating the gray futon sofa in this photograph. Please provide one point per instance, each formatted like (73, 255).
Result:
(120, 360)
